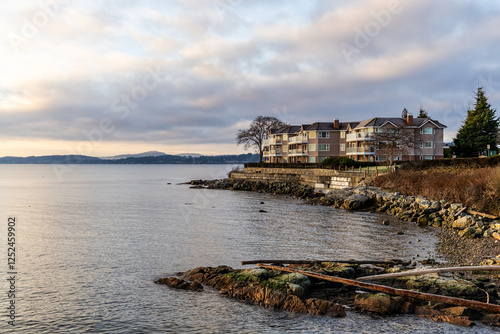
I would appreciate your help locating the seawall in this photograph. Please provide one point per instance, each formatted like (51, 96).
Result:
(314, 177)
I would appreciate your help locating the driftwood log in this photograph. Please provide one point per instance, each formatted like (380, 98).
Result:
(486, 215)
(428, 271)
(399, 292)
(395, 261)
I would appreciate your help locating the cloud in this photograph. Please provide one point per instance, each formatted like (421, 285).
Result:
(222, 63)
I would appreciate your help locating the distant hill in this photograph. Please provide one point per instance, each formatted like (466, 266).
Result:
(159, 159)
(139, 155)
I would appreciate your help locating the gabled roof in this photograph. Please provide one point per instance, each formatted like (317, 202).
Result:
(424, 121)
(397, 121)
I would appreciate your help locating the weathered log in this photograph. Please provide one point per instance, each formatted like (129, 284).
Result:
(428, 271)
(399, 292)
(485, 215)
(396, 261)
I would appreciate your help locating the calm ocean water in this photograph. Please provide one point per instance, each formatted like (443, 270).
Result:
(92, 239)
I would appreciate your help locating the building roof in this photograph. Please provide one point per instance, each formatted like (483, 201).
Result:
(396, 121)
(372, 122)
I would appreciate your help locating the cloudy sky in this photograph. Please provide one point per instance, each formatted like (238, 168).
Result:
(103, 77)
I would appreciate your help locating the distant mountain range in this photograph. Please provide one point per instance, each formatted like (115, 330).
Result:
(151, 157)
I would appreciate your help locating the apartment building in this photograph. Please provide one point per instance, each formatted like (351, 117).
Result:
(312, 143)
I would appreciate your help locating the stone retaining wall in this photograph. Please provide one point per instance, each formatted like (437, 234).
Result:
(314, 177)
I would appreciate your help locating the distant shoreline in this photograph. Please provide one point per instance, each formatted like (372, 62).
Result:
(152, 160)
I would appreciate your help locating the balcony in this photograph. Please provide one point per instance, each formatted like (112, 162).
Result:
(360, 136)
(266, 142)
(297, 139)
(266, 153)
(360, 150)
(297, 152)
(275, 153)
(275, 141)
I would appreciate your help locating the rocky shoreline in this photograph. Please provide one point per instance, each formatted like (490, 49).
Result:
(299, 293)
(416, 209)
(465, 239)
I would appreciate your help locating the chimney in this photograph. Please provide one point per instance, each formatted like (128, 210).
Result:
(409, 119)
(336, 123)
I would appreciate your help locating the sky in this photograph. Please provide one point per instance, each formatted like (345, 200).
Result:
(103, 77)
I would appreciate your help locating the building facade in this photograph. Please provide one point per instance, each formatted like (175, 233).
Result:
(360, 141)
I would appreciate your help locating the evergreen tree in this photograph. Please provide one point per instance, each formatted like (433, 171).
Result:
(480, 128)
(422, 113)
(404, 113)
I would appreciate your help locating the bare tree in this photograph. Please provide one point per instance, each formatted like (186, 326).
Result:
(394, 141)
(255, 135)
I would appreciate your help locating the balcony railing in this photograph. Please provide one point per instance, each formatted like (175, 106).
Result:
(266, 142)
(275, 141)
(276, 153)
(360, 150)
(360, 136)
(297, 139)
(297, 152)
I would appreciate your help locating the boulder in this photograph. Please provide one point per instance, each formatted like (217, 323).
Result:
(379, 303)
(463, 222)
(357, 202)
(178, 283)
(422, 221)
(469, 232)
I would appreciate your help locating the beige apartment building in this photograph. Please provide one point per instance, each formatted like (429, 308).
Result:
(312, 143)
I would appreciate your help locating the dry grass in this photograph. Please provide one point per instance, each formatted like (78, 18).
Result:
(478, 189)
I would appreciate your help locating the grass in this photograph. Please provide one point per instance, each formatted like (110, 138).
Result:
(478, 189)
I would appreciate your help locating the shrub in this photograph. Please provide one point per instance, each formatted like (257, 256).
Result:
(477, 188)
(339, 161)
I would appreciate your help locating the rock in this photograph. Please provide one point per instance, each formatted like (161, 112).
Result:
(324, 307)
(356, 202)
(491, 319)
(297, 290)
(462, 222)
(178, 283)
(422, 221)
(379, 303)
(468, 233)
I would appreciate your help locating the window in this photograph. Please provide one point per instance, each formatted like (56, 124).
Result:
(342, 134)
(323, 147)
(285, 148)
(429, 144)
(428, 131)
(323, 134)
(312, 134)
(312, 160)
(285, 137)
(428, 157)
(312, 147)
(321, 159)
(421, 157)
(342, 147)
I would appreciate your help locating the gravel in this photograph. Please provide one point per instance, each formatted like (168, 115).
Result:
(458, 251)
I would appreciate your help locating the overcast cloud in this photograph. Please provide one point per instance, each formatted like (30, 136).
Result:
(110, 77)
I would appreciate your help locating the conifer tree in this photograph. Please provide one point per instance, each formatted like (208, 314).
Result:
(423, 113)
(479, 130)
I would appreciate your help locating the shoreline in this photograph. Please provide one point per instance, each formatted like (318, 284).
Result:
(464, 240)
